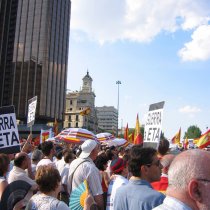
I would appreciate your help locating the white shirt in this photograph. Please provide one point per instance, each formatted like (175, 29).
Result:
(113, 186)
(85, 171)
(43, 162)
(44, 202)
(19, 174)
(60, 164)
(64, 175)
(171, 203)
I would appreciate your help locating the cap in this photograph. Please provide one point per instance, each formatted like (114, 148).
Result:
(87, 147)
(117, 165)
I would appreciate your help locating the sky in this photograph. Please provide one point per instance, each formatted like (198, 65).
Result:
(158, 49)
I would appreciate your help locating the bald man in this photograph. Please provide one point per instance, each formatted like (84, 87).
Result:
(22, 162)
(189, 182)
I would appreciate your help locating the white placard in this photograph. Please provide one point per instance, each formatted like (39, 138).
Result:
(31, 111)
(153, 125)
(9, 137)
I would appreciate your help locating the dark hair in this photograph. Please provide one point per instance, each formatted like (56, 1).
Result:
(163, 146)
(112, 148)
(46, 147)
(109, 154)
(4, 163)
(59, 154)
(48, 178)
(140, 156)
(68, 155)
(100, 161)
(18, 161)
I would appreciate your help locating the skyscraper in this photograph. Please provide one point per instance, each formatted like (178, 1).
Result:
(39, 58)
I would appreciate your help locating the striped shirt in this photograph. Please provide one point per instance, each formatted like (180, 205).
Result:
(86, 170)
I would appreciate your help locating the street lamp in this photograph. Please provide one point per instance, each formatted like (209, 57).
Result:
(118, 101)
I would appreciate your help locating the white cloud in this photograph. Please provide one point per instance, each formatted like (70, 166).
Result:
(136, 20)
(189, 109)
(199, 47)
(141, 21)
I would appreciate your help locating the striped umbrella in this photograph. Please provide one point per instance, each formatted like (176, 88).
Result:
(75, 135)
(102, 137)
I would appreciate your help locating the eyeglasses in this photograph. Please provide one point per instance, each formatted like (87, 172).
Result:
(157, 163)
(204, 180)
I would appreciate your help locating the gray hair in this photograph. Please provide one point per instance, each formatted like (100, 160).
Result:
(185, 167)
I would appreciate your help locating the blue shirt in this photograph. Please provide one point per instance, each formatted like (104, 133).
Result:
(137, 195)
(171, 203)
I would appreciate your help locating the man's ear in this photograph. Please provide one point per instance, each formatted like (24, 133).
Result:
(144, 169)
(194, 190)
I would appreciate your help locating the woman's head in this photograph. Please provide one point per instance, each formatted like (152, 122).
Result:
(101, 162)
(47, 178)
(4, 164)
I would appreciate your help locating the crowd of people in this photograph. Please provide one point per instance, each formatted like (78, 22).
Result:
(117, 178)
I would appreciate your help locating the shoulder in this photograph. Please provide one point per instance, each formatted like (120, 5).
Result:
(62, 206)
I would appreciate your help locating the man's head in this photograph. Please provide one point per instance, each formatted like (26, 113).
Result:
(21, 160)
(90, 148)
(119, 166)
(144, 163)
(163, 147)
(47, 148)
(166, 162)
(189, 179)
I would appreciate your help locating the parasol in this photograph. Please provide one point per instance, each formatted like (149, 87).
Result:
(75, 135)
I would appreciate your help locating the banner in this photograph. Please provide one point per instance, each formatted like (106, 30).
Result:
(153, 125)
(9, 137)
(31, 111)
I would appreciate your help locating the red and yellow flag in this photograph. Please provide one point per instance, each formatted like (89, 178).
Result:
(131, 137)
(204, 140)
(138, 139)
(186, 143)
(126, 133)
(176, 138)
(85, 111)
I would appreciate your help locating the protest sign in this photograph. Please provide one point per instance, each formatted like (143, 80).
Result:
(9, 137)
(31, 111)
(153, 125)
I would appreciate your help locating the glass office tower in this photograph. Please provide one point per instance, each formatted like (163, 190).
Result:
(40, 57)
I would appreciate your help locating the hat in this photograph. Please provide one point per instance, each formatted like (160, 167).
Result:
(117, 165)
(87, 147)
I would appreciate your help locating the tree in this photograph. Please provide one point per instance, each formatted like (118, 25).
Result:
(193, 132)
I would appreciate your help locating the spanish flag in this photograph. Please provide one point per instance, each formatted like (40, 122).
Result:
(85, 111)
(126, 133)
(186, 143)
(176, 138)
(131, 137)
(138, 139)
(204, 140)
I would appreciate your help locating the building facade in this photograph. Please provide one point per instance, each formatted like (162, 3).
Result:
(80, 107)
(37, 63)
(107, 118)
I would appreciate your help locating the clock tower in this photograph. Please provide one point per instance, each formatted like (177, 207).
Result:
(87, 83)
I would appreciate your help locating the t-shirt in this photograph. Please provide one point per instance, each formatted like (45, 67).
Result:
(45, 161)
(44, 202)
(113, 186)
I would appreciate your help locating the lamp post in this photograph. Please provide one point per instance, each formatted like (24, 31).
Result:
(118, 101)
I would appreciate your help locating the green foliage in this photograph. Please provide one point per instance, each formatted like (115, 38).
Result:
(193, 132)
